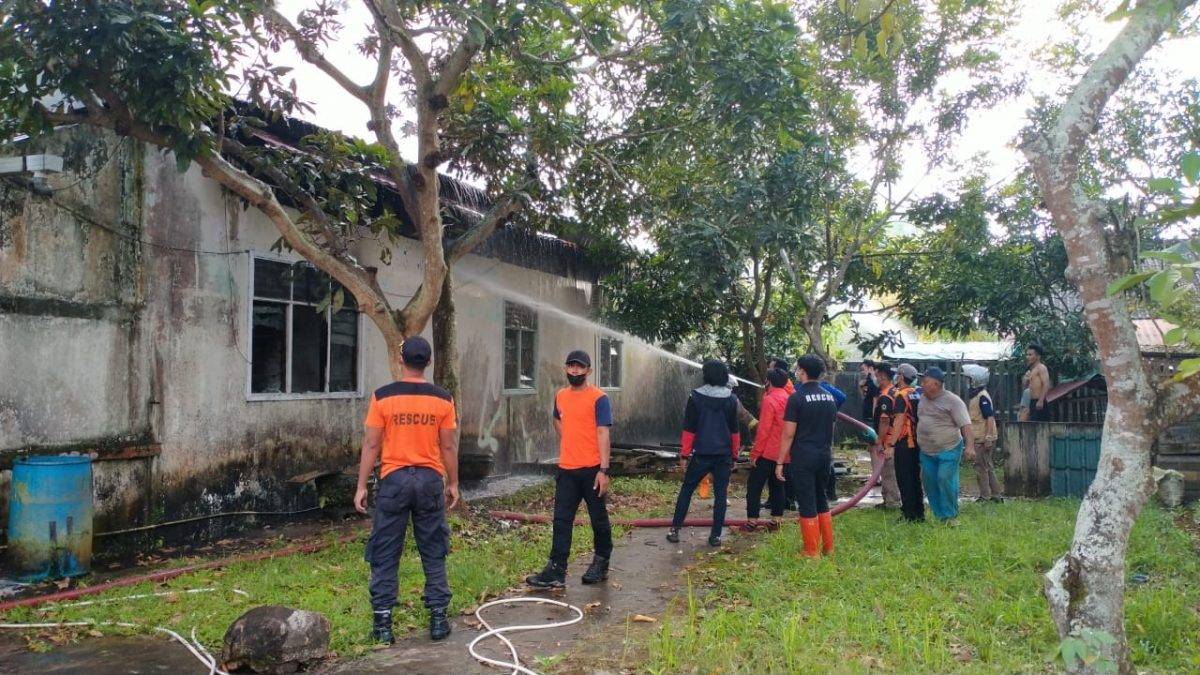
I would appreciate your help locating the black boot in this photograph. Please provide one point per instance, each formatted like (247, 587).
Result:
(714, 540)
(553, 576)
(382, 629)
(673, 535)
(597, 571)
(439, 624)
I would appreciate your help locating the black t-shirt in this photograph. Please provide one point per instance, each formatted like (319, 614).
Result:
(885, 406)
(869, 391)
(814, 411)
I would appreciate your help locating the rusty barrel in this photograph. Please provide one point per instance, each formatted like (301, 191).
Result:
(50, 517)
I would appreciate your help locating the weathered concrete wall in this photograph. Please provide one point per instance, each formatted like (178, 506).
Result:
(138, 346)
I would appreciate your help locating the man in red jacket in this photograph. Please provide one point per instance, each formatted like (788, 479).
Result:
(765, 454)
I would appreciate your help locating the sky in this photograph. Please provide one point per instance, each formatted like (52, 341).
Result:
(987, 137)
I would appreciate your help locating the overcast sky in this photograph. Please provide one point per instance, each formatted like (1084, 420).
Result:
(988, 135)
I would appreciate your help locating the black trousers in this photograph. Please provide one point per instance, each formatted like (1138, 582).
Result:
(831, 485)
(1036, 415)
(908, 479)
(570, 487)
(810, 477)
(720, 466)
(416, 493)
(762, 474)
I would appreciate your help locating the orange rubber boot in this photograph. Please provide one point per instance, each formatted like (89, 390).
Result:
(825, 521)
(705, 490)
(810, 530)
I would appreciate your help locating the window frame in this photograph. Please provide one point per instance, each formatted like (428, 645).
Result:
(602, 360)
(290, 304)
(519, 391)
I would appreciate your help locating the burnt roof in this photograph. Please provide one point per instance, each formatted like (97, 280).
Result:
(464, 206)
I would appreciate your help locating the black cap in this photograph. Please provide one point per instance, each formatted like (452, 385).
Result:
(416, 351)
(581, 357)
(936, 373)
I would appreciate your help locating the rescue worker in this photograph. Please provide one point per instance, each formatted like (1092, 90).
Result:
(744, 417)
(805, 449)
(881, 419)
(944, 433)
(983, 420)
(789, 490)
(765, 453)
(411, 429)
(709, 444)
(582, 418)
(901, 444)
(868, 389)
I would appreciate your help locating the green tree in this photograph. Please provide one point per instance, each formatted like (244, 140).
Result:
(491, 89)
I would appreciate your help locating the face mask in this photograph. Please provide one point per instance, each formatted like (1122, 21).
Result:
(576, 380)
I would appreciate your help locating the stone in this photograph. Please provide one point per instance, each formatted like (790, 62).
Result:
(274, 639)
(1170, 487)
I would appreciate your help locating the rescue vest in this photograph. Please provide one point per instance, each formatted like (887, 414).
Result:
(910, 398)
(977, 420)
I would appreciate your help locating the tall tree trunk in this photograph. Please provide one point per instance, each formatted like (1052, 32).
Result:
(1086, 587)
(445, 340)
(812, 325)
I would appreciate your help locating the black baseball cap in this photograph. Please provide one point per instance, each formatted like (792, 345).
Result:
(936, 373)
(416, 351)
(581, 357)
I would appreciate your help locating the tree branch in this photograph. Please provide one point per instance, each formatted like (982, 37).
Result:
(1081, 113)
(459, 60)
(501, 211)
(312, 53)
(387, 16)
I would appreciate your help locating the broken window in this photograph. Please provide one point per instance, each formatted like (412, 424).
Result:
(610, 362)
(301, 341)
(520, 346)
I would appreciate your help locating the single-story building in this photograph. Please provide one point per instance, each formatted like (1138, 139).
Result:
(146, 319)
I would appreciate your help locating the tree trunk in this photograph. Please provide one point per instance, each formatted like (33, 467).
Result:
(445, 340)
(816, 343)
(1086, 587)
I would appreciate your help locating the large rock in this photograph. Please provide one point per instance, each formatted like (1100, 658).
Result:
(1169, 487)
(273, 639)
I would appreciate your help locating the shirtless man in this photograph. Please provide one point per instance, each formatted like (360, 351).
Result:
(1037, 380)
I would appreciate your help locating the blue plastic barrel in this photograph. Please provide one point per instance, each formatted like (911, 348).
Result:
(50, 517)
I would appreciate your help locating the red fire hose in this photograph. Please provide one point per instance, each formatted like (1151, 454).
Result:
(868, 435)
(172, 573)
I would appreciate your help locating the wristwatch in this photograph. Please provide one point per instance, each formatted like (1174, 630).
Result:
(604, 470)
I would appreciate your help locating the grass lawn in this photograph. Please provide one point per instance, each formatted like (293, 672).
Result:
(923, 598)
(485, 558)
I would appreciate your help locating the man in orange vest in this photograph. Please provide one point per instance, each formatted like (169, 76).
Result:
(582, 418)
(885, 405)
(901, 444)
(412, 424)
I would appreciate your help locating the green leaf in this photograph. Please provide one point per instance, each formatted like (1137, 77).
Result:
(1187, 368)
(1175, 335)
(1163, 185)
(1127, 282)
(1162, 284)
(1167, 256)
(1190, 165)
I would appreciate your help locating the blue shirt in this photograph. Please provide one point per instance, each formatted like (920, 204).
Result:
(838, 395)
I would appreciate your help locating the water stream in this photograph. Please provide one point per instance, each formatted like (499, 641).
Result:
(491, 285)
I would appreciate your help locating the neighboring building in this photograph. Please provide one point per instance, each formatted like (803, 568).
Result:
(145, 319)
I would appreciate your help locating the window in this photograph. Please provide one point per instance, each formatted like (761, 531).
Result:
(610, 362)
(520, 347)
(298, 344)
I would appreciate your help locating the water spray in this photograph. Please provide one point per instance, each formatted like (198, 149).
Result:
(543, 306)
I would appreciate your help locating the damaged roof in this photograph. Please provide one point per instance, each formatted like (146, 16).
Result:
(464, 203)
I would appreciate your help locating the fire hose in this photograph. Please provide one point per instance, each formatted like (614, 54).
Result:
(866, 434)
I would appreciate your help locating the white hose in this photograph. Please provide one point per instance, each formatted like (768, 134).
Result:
(498, 633)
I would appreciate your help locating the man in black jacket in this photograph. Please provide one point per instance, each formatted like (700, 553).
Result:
(710, 443)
